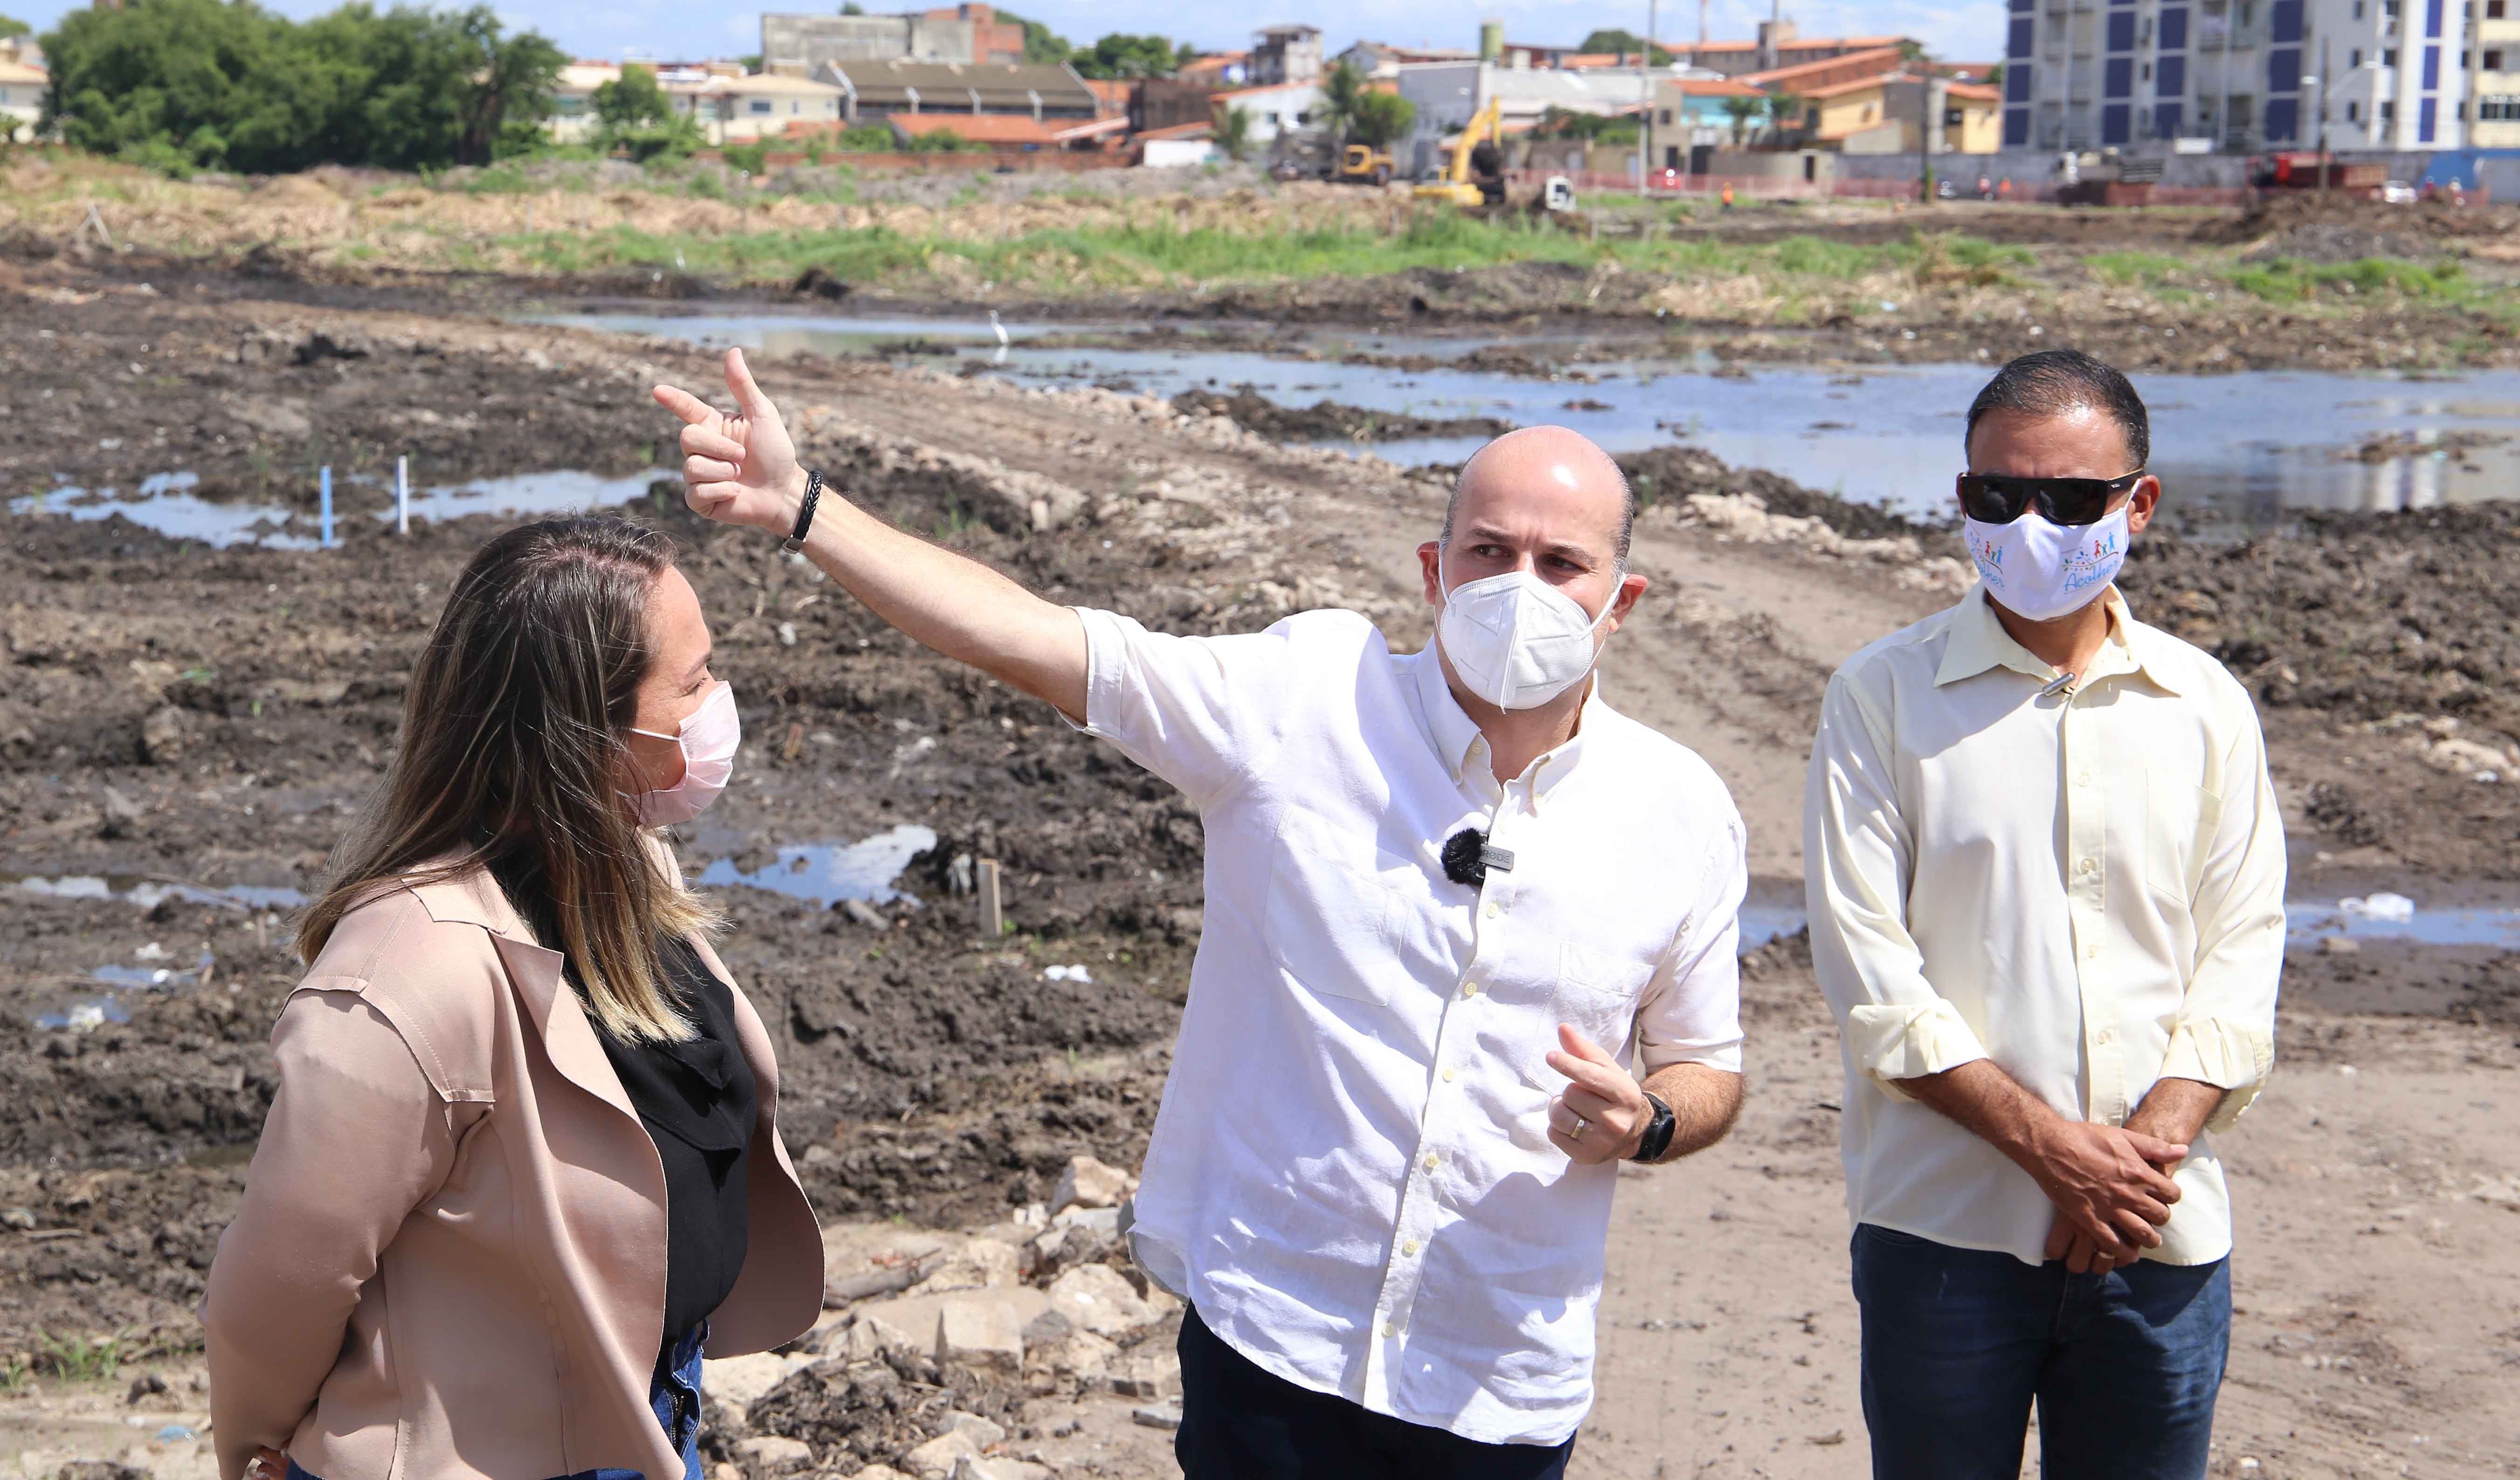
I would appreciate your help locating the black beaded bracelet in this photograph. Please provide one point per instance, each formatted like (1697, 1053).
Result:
(805, 510)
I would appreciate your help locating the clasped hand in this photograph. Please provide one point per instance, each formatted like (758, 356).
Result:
(2113, 1192)
(1602, 1114)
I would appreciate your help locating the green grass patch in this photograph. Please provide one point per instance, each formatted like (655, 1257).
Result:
(80, 1358)
(2149, 269)
(2286, 281)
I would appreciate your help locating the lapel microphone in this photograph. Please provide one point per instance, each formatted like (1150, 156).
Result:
(1469, 856)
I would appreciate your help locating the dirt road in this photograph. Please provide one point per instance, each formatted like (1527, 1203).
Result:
(208, 715)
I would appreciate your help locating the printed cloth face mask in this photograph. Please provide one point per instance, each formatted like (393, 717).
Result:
(1515, 640)
(707, 740)
(2044, 572)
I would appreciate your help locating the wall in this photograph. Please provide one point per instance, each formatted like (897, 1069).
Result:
(794, 45)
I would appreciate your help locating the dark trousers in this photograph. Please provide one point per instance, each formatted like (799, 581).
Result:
(1959, 1343)
(1240, 1422)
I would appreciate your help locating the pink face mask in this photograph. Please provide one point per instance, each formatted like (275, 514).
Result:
(707, 740)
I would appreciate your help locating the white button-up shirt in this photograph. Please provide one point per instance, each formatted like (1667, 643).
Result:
(2083, 882)
(1351, 1174)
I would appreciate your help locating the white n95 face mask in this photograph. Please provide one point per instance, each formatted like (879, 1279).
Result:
(2044, 572)
(1517, 640)
(707, 737)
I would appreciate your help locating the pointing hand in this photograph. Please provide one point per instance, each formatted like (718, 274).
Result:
(740, 469)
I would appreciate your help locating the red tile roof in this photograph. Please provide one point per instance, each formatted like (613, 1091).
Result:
(1014, 130)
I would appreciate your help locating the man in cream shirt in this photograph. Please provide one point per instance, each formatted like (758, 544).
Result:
(2045, 876)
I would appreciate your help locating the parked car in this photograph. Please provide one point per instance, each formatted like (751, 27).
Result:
(2394, 193)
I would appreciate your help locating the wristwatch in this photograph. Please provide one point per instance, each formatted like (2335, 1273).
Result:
(805, 511)
(1657, 1137)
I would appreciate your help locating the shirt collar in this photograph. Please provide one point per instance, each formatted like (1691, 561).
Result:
(1978, 642)
(1458, 740)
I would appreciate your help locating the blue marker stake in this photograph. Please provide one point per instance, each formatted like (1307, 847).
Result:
(328, 506)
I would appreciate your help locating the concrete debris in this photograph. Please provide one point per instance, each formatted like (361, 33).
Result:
(1087, 1183)
(1163, 1416)
(1098, 1298)
(1745, 516)
(738, 1381)
(1003, 1468)
(771, 1454)
(940, 1456)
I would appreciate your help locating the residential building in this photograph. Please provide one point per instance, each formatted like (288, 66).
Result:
(798, 45)
(1287, 54)
(1217, 69)
(1448, 94)
(1779, 45)
(768, 104)
(1164, 103)
(2494, 76)
(573, 119)
(1382, 61)
(1288, 108)
(992, 40)
(1010, 131)
(2241, 75)
(1902, 113)
(21, 97)
(1693, 113)
(877, 90)
(1804, 79)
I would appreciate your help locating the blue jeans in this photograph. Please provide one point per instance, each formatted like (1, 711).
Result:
(1959, 1343)
(675, 1395)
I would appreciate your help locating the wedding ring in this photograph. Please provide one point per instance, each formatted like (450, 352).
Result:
(1581, 1126)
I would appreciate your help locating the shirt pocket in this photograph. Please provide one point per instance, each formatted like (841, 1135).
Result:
(1597, 992)
(2178, 824)
(1333, 916)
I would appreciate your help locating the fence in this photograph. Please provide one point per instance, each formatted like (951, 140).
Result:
(949, 161)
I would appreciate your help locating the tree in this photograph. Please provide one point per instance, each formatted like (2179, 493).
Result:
(1042, 45)
(1741, 113)
(1120, 55)
(185, 84)
(852, 8)
(1341, 86)
(632, 113)
(11, 26)
(1787, 116)
(1234, 131)
(1612, 39)
(1382, 117)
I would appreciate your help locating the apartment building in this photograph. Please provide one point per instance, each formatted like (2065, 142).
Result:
(2238, 75)
(2494, 76)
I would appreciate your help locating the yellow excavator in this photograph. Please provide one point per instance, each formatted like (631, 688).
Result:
(1476, 174)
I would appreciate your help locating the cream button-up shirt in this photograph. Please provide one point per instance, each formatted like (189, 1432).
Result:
(2083, 882)
(1351, 1174)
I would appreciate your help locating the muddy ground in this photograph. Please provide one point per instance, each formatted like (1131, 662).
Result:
(211, 715)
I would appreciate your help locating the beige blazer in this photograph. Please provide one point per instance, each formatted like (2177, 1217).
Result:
(450, 1261)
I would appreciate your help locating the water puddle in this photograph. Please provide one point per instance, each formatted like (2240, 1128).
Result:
(147, 891)
(826, 874)
(164, 503)
(2234, 451)
(2384, 917)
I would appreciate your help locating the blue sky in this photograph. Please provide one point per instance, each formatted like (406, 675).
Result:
(1962, 30)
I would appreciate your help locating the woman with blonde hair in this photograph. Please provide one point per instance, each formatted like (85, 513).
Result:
(524, 1166)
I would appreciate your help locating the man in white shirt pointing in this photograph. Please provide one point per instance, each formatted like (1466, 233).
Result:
(1456, 905)
(2046, 872)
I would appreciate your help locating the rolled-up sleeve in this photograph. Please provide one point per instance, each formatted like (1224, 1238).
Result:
(1692, 1012)
(2224, 1034)
(357, 1137)
(1858, 861)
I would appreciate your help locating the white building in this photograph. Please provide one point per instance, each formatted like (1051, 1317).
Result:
(573, 119)
(1449, 94)
(22, 80)
(1285, 108)
(2241, 75)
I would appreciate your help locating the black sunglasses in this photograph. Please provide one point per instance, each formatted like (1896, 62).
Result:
(1991, 498)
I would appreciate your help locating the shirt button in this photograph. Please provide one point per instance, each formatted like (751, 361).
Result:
(1409, 1248)
(2089, 866)
(1429, 1162)
(2082, 779)
(1491, 910)
(1469, 989)
(1390, 1328)
(1448, 1076)
(2105, 1037)
(2091, 951)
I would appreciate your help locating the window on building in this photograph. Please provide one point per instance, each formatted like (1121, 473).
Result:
(2389, 58)
(2248, 14)
(2388, 9)
(2358, 10)
(2388, 109)
(2494, 62)
(2493, 9)
(2352, 113)
(760, 105)
(2499, 108)
(796, 105)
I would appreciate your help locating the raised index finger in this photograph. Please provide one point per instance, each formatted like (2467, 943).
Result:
(684, 404)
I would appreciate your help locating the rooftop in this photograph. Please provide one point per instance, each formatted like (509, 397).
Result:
(1887, 56)
(999, 87)
(1010, 130)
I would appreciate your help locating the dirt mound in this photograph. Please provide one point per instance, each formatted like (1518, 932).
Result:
(856, 1414)
(1670, 474)
(2279, 212)
(1326, 419)
(2326, 242)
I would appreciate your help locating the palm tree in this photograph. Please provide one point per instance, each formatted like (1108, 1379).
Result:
(1786, 115)
(1233, 132)
(1742, 110)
